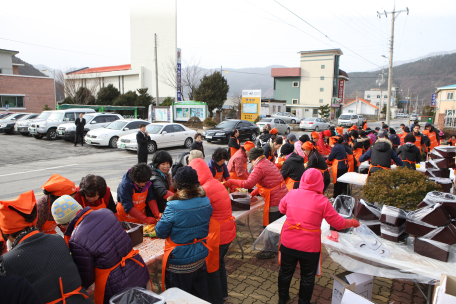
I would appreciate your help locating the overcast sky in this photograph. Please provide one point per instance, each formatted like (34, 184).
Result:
(232, 34)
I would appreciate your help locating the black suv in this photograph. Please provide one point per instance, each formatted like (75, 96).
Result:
(222, 131)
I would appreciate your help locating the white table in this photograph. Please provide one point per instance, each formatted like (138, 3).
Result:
(178, 296)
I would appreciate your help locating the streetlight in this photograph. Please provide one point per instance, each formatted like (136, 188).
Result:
(55, 93)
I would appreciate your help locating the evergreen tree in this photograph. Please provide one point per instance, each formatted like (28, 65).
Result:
(212, 90)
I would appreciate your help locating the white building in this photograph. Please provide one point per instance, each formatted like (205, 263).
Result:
(378, 97)
(272, 106)
(146, 20)
(360, 106)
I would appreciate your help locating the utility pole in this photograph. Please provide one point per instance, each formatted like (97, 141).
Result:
(416, 105)
(156, 70)
(390, 75)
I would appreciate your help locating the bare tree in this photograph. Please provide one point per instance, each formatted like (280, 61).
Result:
(75, 82)
(237, 100)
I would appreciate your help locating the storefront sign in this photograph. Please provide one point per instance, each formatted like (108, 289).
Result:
(179, 78)
(433, 100)
(340, 92)
(251, 101)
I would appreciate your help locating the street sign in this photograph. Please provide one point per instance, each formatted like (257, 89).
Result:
(433, 100)
(251, 102)
(6, 107)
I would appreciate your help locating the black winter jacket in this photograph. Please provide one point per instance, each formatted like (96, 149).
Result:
(142, 141)
(293, 167)
(263, 139)
(317, 161)
(197, 146)
(338, 152)
(409, 152)
(366, 142)
(233, 143)
(160, 187)
(381, 154)
(16, 289)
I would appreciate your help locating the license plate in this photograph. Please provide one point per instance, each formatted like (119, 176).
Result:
(209, 136)
(122, 145)
(88, 141)
(60, 132)
(32, 130)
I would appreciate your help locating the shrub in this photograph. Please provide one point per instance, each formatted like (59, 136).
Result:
(209, 122)
(46, 108)
(402, 188)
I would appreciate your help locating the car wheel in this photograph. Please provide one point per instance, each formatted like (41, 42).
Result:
(113, 142)
(8, 132)
(188, 142)
(24, 134)
(293, 121)
(51, 134)
(38, 136)
(151, 147)
(287, 131)
(208, 140)
(316, 129)
(253, 137)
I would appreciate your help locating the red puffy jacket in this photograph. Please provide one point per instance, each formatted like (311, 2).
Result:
(267, 175)
(220, 200)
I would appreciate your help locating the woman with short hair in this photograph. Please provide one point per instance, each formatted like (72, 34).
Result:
(198, 143)
(161, 178)
(217, 165)
(233, 143)
(94, 193)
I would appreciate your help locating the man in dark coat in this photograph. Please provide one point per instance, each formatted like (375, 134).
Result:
(80, 123)
(142, 138)
(409, 153)
(293, 167)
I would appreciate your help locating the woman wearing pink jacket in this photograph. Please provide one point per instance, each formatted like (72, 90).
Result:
(301, 234)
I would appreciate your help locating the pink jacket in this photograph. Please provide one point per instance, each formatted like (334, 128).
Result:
(298, 148)
(237, 163)
(308, 207)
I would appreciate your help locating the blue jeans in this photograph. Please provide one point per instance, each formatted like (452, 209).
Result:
(217, 281)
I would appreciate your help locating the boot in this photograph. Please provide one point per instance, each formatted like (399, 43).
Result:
(283, 299)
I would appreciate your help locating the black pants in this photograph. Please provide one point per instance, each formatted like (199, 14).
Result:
(327, 182)
(79, 134)
(142, 157)
(194, 283)
(308, 271)
(339, 187)
(274, 216)
(217, 282)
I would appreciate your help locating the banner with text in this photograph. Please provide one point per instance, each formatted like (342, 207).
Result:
(250, 104)
(179, 82)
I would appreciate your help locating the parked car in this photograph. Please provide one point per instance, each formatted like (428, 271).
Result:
(94, 121)
(162, 135)
(22, 126)
(4, 114)
(413, 117)
(109, 135)
(12, 118)
(273, 122)
(348, 120)
(287, 117)
(222, 131)
(49, 126)
(360, 120)
(314, 123)
(10, 127)
(399, 115)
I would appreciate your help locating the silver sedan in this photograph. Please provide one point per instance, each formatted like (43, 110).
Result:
(287, 117)
(273, 122)
(314, 123)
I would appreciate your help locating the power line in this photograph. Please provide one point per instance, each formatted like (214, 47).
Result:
(319, 77)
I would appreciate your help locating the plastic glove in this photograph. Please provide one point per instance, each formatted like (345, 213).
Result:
(234, 182)
(228, 184)
(150, 220)
(154, 208)
(233, 189)
(351, 223)
(253, 199)
(168, 194)
(137, 215)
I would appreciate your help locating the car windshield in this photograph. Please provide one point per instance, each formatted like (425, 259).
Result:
(88, 117)
(154, 129)
(266, 120)
(5, 116)
(116, 125)
(44, 115)
(309, 119)
(344, 117)
(55, 116)
(227, 124)
(25, 117)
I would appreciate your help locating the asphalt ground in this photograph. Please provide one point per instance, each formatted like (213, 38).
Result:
(27, 163)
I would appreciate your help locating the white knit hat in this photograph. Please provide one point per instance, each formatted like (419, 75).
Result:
(64, 209)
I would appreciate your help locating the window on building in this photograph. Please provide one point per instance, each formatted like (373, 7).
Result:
(322, 66)
(294, 101)
(306, 110)
(315, 113)
(273, 109)
(279, 108)
(12, 101)
(321, 100)
(378, 96)
(368, 96)
(378, 103)
(0, 71)
(450, 96)
(351, 111)
(322, 89)
(386, 96)
(322, 77)
(295, 84)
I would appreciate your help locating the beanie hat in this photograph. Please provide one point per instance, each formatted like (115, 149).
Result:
(427, 125)
(64, 209)
(441, 133)
(377, 128)
(315, 135)
(327, 133)
(195, 154)
(333, 140)
(354, 128)
(186, 176)
(339, 130)
(248, 145)
(287, 149)
(254, 153)
(274, 131)
(381, 133)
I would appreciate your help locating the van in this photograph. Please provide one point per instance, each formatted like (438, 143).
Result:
(348, 120)
(49, 126)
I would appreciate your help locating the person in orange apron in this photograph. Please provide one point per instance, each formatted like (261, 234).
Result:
(365, 124)
(217, 165)
(55, 187)
(101, 249)
(225, 231)
(292, 168)
(434, 135)
(317, 161)
(432, 138)
(271, 147)
(44, 260)
(189, 230)
(269, 183)
(358, 146)
(381, 154)
(161, 178)
(233, 143)
(94, 193)
(452, 140)
(419, 140)
(136, 202)
(409, 153)
(352, 161)
(339, 162)
(300, 239)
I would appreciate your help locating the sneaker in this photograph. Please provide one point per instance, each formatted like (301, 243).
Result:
(265, 255)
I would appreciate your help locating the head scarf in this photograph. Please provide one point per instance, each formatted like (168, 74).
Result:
(274, 131)
(308, 145)
(315, 135)
(10, 220)
(248, 145)
(59, 185)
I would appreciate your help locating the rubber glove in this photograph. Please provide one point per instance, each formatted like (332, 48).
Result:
(154, 208)
(245, 176)
(137, 215)
(234, 182)
(150, 220)
(351, 223)
(168, 194)
(253, 199)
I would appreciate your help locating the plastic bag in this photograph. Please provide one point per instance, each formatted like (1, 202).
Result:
(344, 205)
(392, 230)
(366, 211)
(368, 236)
(137, 295)
(439, 197)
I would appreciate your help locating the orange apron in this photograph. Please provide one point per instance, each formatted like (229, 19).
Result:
(279, 257)
(280, 162)
(418, 142)
(139, 202)
(358, 153)
(433, 140)
(232, 149)
(266, 194)
(402, 136)
(372, 166)
(64, 295)
(351, 163)
(86, 204)
(364, 126)
(290, 183)
(219, 175)
(335, 164)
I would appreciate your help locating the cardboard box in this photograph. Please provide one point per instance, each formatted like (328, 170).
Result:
(446, 292)
(359, 283)
(352, 298)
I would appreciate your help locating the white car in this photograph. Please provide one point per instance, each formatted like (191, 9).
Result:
(314, 123)
(162, 135)
(94, 121)
(108, 136)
